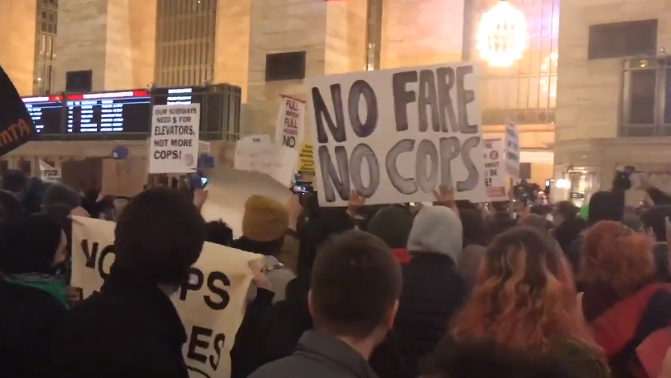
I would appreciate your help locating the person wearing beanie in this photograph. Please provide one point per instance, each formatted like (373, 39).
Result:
(392, 224)
(61, 194)
(32, 298)
(264, 224)
(433, 288)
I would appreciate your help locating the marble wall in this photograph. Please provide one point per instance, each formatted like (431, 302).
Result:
(114, 38)
(424, 32)
(331, 33)
(17, 50)
(588, 92)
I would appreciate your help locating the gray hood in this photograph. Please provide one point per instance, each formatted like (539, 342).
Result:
(437, 229)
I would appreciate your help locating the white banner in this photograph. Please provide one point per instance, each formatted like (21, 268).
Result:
(495, 177)
(512, 148)
(395, 135)
(211, 306)
(290, 128)
(257, 153)
(174, 138)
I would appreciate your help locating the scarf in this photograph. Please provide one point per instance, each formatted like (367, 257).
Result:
(51, 285)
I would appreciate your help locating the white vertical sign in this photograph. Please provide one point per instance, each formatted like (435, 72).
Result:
(512, 149)
(289, 128)
(174, 138)
(49, 173)
(495, 177)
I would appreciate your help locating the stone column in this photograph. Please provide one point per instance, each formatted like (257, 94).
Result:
(114, 38)
(331, 33)
(232, 43)
(416, 33)
(17, 50)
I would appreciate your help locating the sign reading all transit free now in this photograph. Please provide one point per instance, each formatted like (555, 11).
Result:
(174, 138)
(395, 135)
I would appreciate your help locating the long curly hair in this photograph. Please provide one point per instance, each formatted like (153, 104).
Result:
(615, 255)
(524, 295)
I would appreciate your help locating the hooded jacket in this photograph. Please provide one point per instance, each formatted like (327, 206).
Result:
(433, 289)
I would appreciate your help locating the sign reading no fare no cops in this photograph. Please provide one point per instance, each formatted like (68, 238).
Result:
(395, 135)
(174, 138)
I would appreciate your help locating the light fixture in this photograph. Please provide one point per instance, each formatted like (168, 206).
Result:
(563, 184)
(502, 35)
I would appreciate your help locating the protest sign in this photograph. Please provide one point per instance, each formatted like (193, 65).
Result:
(290, 119)
(512, 148)
(257, 153)
(211, 305)
(495, 177)
(306, 161)
(49, 173)
(16, 125)
(174, 138)
(395, 135)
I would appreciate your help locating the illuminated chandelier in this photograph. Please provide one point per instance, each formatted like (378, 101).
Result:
(502, 35)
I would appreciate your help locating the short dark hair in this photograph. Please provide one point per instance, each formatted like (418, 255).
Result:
(218, 232)
(476, 229)
(355, 282)
(160, 234)
(14, 181)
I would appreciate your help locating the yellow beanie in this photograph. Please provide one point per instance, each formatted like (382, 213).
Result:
(265, 219)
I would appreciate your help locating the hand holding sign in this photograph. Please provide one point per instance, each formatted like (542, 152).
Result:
(445, 195)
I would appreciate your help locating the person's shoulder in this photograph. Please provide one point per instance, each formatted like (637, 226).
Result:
(294, 366)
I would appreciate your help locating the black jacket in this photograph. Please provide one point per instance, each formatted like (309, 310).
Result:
(29, 318)
(433, 292)
(129, 330)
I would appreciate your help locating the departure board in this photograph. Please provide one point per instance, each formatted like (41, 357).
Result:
(46, 112)
(184, 95)
(109, 112)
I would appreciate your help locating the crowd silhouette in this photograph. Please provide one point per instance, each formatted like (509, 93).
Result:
(448, 290)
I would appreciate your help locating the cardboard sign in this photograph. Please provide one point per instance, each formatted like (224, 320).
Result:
(257, 153)
(512, 149)
(211, 306)
(290, 128)
(395, 135)
(16, 125)
(495, 177)
(174, 138)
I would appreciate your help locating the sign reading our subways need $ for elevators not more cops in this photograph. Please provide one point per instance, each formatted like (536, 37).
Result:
(174, 138)
(394, 135)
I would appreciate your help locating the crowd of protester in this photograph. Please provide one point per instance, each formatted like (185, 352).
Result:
(452, 290)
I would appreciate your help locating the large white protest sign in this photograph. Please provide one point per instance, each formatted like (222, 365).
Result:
(512, 148)
(257, 153)
(395, 135)
(289, 128)
(174, 138)
(211, 305)
(495, 177)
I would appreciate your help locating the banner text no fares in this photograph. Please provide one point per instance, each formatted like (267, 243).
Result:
(395, 135)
